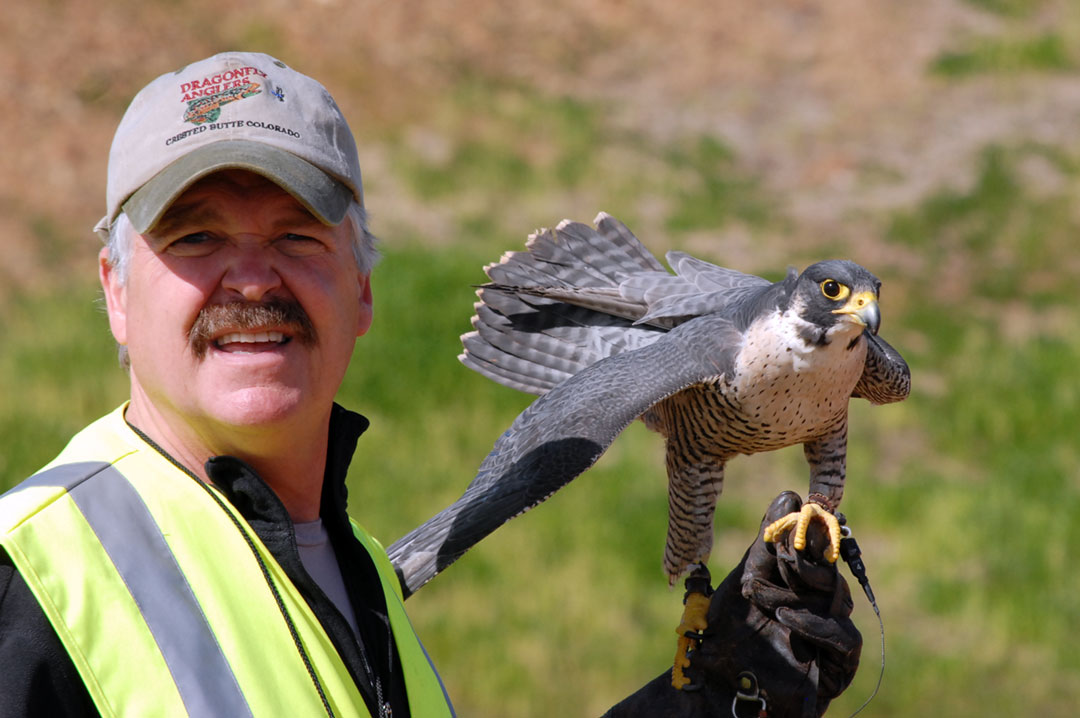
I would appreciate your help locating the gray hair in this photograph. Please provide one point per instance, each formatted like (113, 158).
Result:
(120, 244)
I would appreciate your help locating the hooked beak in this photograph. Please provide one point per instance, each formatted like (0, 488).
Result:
(863, 308)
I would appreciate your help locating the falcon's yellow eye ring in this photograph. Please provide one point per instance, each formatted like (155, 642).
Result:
(834, 290)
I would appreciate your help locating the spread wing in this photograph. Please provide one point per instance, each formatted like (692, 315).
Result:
(561, 435)
(578, 295)
(532, 343)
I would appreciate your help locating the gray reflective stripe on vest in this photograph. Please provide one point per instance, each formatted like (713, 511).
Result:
(134, 543)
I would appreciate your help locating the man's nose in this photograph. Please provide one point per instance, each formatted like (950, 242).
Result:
(251, 272)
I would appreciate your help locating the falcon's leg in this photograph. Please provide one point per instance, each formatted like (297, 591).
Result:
(694, 484)
(827, 457)
(696, 601)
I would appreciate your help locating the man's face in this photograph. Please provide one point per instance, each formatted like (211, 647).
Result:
(240, 308)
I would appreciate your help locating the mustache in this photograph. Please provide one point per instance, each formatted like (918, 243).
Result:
(282, 314)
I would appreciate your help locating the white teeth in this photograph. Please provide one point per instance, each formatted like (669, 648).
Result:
(255, 338)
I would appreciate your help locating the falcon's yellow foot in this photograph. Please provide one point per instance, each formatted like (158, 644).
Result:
(693, 622)
(801, 521)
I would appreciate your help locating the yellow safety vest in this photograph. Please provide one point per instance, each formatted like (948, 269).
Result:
(167, 601)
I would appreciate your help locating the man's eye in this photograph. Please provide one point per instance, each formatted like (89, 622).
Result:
(299, 244)
(194, 244)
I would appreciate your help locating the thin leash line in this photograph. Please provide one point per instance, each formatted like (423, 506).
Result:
(851, 554)
(881, 673)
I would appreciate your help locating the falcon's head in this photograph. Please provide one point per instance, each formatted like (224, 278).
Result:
(837, 297)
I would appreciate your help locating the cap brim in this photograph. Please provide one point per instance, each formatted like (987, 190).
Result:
(325, 197)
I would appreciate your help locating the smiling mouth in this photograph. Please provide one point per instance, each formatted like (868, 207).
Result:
(242, 327)
(250, 343)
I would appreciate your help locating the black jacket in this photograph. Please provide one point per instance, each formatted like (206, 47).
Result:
(37, 677)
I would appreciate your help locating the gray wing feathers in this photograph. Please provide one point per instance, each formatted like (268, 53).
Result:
(578, 295)
(886, 377)
(709, 277)
(697, 288)
(556, 308)
(532, 344)
(557, 438)
(619, 235)
(576, 255)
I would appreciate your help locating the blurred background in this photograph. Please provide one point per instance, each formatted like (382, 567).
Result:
(933, 141)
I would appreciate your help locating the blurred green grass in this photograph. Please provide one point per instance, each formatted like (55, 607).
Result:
(965, 497)
(1047, 52)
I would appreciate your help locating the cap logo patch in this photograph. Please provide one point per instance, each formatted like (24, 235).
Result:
(205, 97)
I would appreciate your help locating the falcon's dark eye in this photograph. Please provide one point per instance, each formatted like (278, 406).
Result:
(834, 290)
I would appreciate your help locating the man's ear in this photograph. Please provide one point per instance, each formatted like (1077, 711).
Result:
(366, 313)
(115, 297)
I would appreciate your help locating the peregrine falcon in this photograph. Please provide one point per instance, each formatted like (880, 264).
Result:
(718, 362)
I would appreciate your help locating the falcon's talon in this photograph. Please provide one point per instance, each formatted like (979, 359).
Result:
(800, 521)
(690, 635)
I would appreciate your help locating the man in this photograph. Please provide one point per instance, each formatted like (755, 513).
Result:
(190, 553)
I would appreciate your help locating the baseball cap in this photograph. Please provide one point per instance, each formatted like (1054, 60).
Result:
(235, 110)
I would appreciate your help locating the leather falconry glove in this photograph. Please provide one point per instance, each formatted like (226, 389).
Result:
(779, 642)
